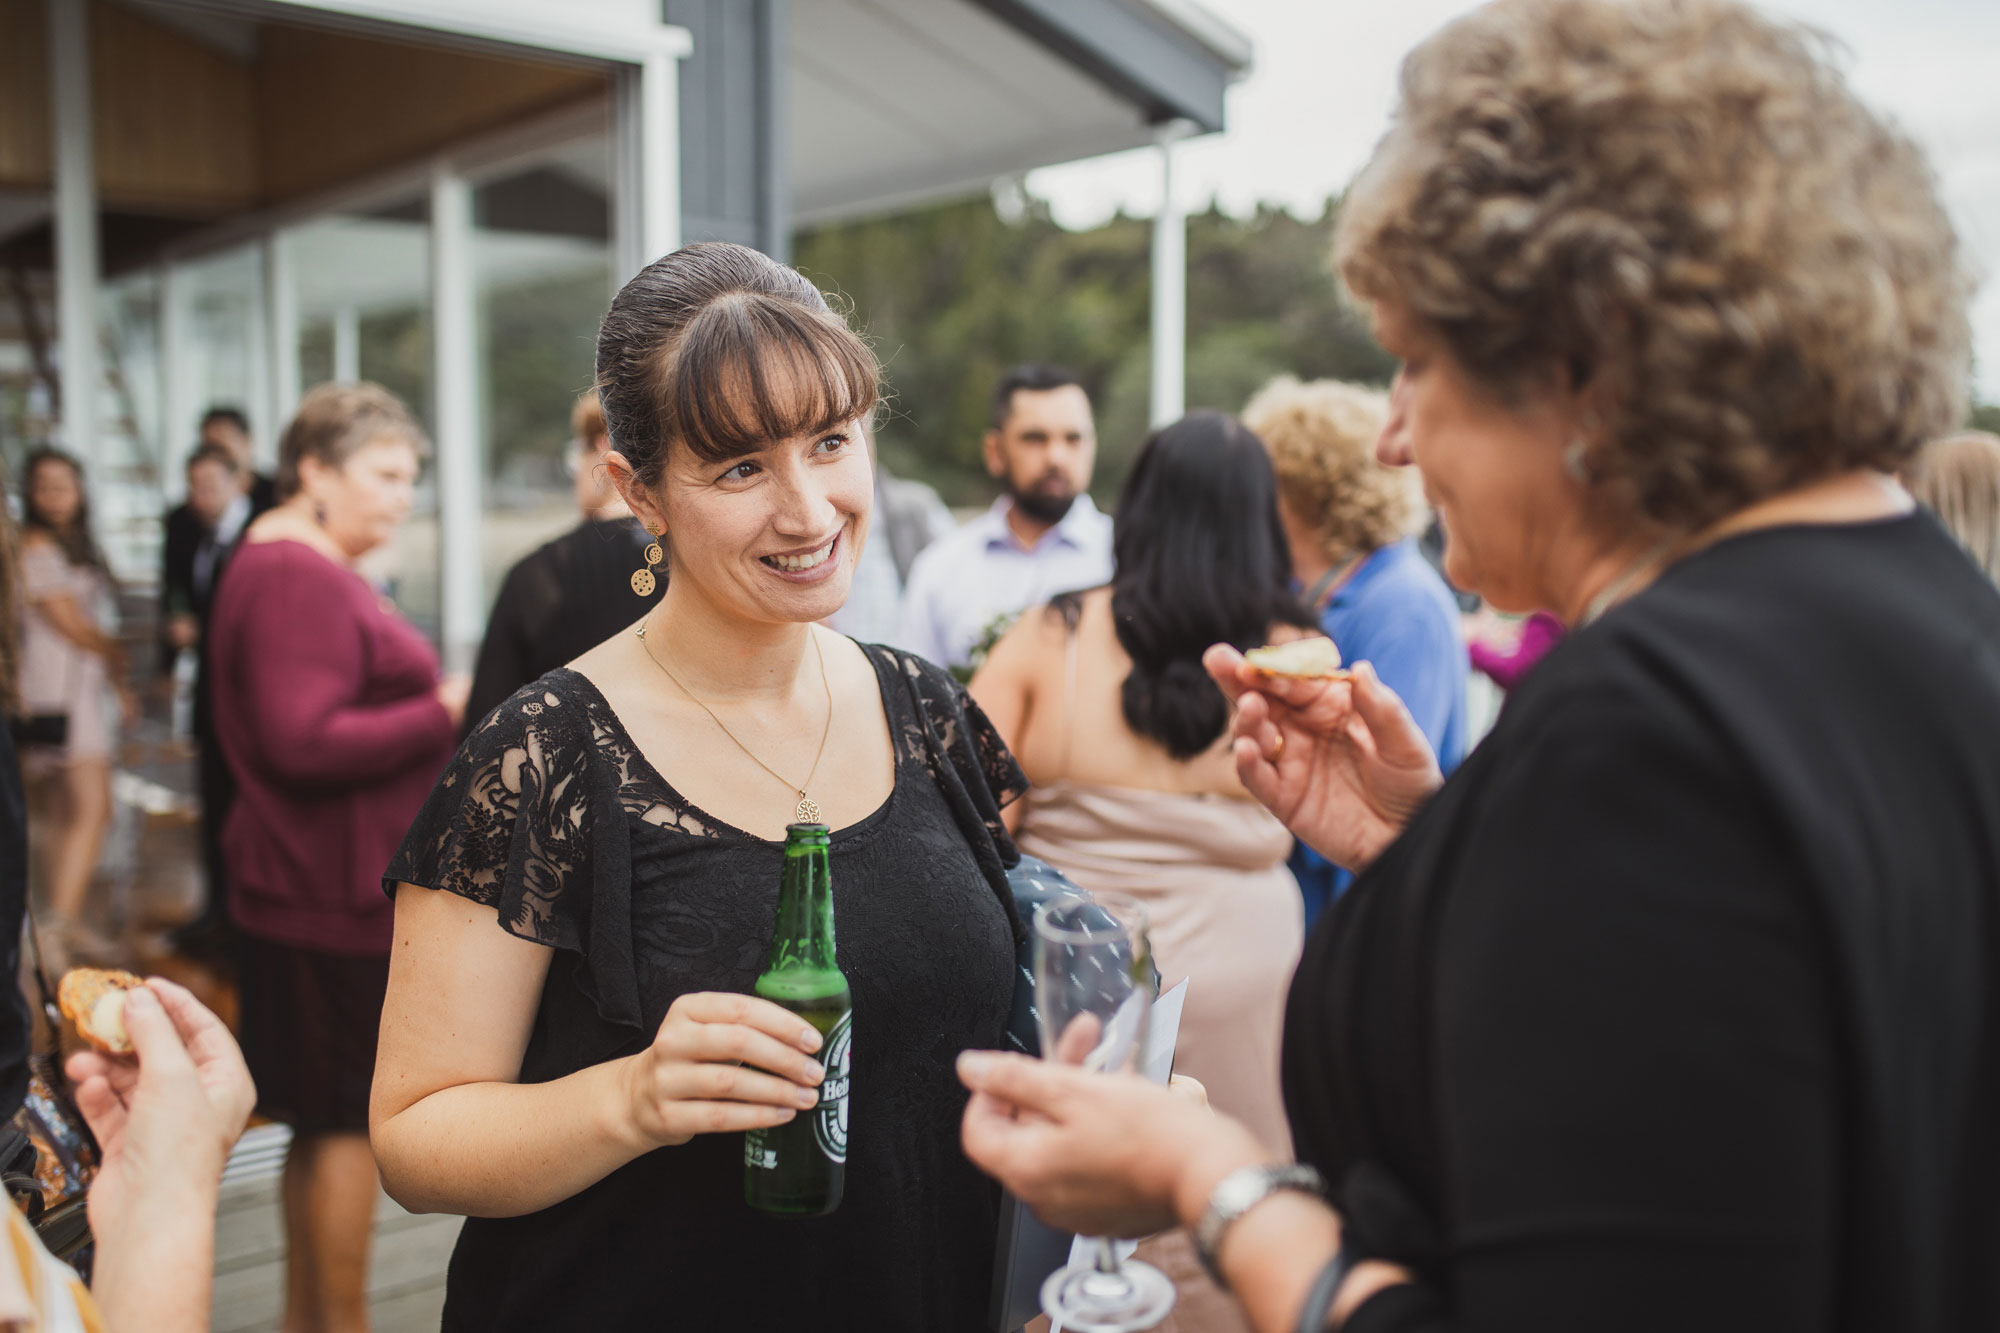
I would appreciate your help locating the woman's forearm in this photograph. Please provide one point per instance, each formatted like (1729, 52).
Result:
(155, 1267)
(504, 1149)
(1272, 1253)
(68, 620)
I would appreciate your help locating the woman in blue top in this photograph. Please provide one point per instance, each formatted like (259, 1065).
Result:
(1350, 523)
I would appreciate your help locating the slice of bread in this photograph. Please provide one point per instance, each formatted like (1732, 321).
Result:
(1315, 658)
(93, 998)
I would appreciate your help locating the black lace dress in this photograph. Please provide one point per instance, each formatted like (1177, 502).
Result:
(551, 815)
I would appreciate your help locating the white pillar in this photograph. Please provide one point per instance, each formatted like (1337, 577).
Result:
(262, 406)
(75, 162)
(646, 164)
(1169, 398)
(660, 142)
(347, 344)
(455, 417)
(176, 412)
(281, 327)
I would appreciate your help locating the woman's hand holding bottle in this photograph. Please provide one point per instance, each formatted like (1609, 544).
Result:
(721, 1063)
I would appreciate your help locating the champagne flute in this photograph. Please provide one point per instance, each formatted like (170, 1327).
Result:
(1093, 984)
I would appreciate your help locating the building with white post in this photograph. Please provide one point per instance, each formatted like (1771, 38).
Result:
(227, 201)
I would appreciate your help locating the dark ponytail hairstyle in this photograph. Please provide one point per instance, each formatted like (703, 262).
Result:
(720, 349)
(1202, 559)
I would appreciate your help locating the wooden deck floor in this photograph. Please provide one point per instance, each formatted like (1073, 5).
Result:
(406, 1269)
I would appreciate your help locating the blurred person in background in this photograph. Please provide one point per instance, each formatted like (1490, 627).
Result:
(1042, 537)
(570, 594)
(1673, 1007)
(1505, 648)
(200, 534)
(1351, 525)
(1957, 478)
(909, 517)
(72, 690)
(16, 1027)
(164, 1117)
(335, 724)
(1133, 787)
(229, 428)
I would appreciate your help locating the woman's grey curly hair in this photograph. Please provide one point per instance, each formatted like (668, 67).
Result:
(1321, 438)
(1682, 203)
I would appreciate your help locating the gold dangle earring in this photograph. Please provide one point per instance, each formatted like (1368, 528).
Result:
(643, 581)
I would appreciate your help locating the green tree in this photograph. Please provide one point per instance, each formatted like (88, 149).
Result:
(953, 295)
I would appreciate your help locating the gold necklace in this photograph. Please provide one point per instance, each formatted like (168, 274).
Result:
(1614, 591)
(807, 811)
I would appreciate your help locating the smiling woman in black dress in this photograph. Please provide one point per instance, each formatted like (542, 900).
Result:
(1674, 1007)
(569, 1051)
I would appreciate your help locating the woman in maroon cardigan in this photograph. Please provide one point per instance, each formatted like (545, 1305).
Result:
(335, 724)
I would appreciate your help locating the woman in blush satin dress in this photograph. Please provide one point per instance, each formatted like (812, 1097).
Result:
(1132, 790)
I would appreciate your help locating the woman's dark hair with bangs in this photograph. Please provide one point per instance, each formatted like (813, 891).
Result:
(1201, 559)
(75, 539)
(722, 349)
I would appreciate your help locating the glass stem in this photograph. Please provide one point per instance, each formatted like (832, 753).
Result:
(1107, 1257)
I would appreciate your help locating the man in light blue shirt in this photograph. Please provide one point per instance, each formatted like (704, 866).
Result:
(1043, 537)
(909, 516)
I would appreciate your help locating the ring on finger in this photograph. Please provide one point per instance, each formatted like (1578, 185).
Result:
(1278, 750)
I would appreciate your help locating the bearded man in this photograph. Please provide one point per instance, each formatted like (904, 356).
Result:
(1042, 537)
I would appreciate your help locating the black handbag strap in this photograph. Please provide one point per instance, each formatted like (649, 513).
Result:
(50, 1009)
(50, 1061)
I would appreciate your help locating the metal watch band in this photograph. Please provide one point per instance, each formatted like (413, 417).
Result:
(1236, 1194)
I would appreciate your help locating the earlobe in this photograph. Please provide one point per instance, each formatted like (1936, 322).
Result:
(996, 465)
(631, 491)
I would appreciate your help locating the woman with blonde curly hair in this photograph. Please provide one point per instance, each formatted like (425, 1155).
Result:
(1673, 1007)
(1958, 479)
(1350, 522)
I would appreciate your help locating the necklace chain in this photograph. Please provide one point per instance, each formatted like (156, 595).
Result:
(807, 811)
(1614, 591)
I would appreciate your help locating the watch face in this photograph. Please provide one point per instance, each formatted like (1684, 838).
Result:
(1240, 1191)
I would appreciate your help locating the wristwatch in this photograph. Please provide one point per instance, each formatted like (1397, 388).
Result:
(1239, 1192)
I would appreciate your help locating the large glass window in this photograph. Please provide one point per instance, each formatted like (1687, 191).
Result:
(542, 261)
(221, 353)
(135, 452)
(363, 283)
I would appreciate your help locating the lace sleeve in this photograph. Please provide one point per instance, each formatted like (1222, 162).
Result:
(1005, 782)
(524, 822)
(970, 763)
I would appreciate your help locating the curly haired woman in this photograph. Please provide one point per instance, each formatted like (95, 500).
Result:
(1350, 523)
(1673, 1007)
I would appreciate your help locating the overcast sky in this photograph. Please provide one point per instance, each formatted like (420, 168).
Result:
(1305, 119)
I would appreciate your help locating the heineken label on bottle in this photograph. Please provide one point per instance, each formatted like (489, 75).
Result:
(830, 1120)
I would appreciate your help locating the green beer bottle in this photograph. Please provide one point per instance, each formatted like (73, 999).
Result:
(798, 1169)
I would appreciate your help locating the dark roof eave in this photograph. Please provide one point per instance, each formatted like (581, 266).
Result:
(1135, 50)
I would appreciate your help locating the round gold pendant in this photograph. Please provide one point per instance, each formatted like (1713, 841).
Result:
(643, 582)
(654, 555)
